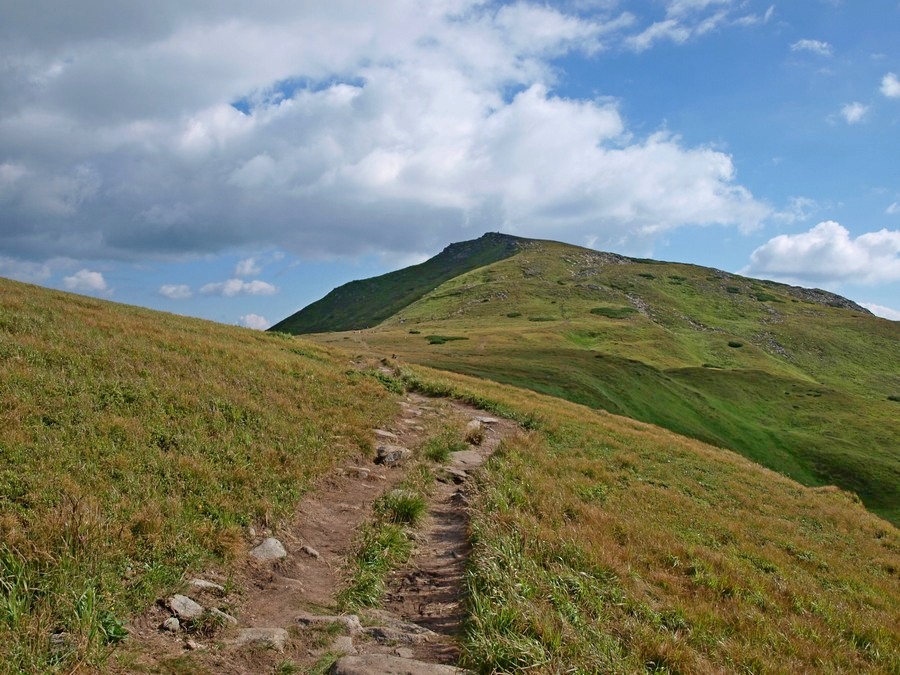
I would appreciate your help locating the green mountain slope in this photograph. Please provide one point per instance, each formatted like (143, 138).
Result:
(799, 380)
(361, 304)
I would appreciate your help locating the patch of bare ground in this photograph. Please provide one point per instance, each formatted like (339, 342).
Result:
(279, 614)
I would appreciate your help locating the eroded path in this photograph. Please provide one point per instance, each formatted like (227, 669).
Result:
(284, 614)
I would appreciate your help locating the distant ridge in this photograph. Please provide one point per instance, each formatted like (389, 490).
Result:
(366, 303)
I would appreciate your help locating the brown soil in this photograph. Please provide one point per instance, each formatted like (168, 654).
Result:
(274, 595)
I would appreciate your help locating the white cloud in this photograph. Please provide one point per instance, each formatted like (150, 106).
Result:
(254, 321)
(234, 287)
(176, 291)
(86, 281)
(797, 210)
(814, 46)
(893, 209)
(890, 85)
(853, 113)
(827, 254)
(357, 124)
(882, 311)
(248, 267)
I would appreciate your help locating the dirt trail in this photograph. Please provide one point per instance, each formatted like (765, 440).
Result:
(285, 612)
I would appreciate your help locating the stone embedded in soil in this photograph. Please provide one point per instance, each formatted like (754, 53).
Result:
(204, 585)
(343, 644)
(389, 454)
(270, 549)
(466, 458)
(404, 652)
(184, 607)
(172, 625)
(349, 621)
(358, 472)
(487, 420)
(227, 618)
(381, 433)
(450, 474)
(382, 664)
(310, 551)
(393, 630)
(266, 637)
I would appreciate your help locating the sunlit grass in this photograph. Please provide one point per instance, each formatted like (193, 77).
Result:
(136, 445)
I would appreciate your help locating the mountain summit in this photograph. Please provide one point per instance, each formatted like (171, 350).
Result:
(366, 303)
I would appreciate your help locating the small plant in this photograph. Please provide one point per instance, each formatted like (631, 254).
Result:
(894, 397)
(441, 339)
(733, 289)
(646, 275)
(734, 344)
(541, 318)
(401, 507)
(439, 447)
(614, 312)
(413, 331)
(513, 315)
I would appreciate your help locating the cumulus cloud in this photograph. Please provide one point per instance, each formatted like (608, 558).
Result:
(176, 291)
(882, 311)
(827, 254)
(85, 281)
(853, 113)
(815, 46)
(797, 210)
(890, 85)
(333, 128)
(247, 267)
(234, 287)
(254, 321)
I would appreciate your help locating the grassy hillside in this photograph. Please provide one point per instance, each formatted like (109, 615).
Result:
(135, 445)
(602, 544)
(802, 381)
(361, 304)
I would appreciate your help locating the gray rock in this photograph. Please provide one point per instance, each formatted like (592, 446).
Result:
(203, 585)
(275, 638)
(487, 420)
(349, 621)
(171, 625)
(343, 644)
(474, 432)
(466, 458)
(390, 455)
(393, 630)
(270, 549)
(381, 433)
(358, 472)
(184, 607)
(382, 664)
(450, 474)
(310, 551)
(226, 618)
(192, 645)
(404, 652)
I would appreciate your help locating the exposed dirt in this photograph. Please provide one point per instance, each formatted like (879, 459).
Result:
(297, 592)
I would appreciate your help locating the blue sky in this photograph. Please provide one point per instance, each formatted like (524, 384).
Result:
(236, 162)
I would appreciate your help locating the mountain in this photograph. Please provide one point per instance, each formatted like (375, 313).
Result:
(362, 304)
(802, 381)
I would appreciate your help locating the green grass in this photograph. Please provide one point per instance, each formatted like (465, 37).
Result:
(694, 356)
(136, 446)
(601, 544)
(439, 446)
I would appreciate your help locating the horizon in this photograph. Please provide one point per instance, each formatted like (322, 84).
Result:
(237, 164)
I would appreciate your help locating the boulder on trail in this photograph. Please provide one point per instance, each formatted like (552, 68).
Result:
(185, 608)
(266, 637)
(270, 549)
(382, 664)
(349, 621)
(389, 455)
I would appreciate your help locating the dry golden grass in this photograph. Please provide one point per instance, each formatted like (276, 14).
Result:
(135, 445)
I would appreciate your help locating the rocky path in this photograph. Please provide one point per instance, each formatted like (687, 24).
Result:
(283, 616)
